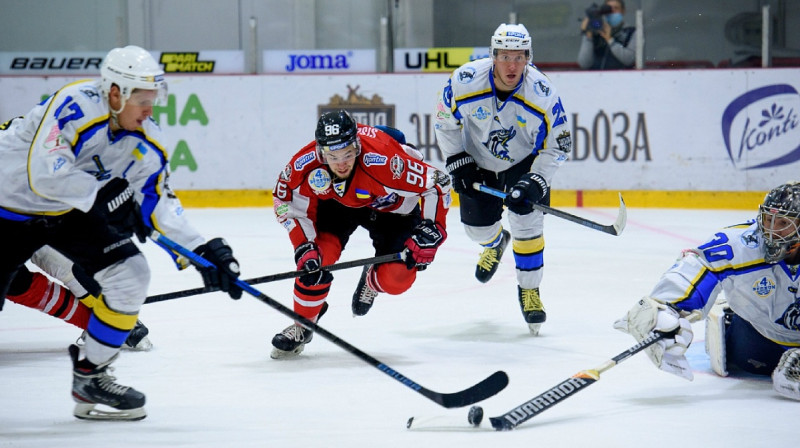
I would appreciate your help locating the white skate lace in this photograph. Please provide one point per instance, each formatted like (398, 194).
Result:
(367, 294)
(106, 382)
(294, 332)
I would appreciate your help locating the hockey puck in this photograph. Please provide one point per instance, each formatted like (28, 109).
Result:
(475, 415)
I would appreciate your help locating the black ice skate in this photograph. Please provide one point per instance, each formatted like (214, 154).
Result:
(532, 309)
(364, 296)
(92, 385)
(293, 339)
(490, 258)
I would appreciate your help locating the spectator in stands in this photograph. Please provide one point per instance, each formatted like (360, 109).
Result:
(607, 43)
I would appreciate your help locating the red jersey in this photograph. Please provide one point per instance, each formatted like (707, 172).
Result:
(384, 178)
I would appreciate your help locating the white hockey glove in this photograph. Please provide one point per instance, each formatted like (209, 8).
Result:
(649, 315)
(786, 376)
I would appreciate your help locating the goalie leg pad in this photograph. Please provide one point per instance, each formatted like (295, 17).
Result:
(717, 322)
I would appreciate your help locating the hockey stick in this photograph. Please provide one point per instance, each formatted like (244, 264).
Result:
(485, 389)
(568, 387)
(282, 276)
(613, 229)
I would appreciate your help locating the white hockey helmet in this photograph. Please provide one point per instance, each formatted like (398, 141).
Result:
(511, 37)
(132, 68)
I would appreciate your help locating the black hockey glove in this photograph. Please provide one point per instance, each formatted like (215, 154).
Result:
(224, 275)
(530, 189)
(464, 171)
(116, 207)
(309, 260)
(425, 239)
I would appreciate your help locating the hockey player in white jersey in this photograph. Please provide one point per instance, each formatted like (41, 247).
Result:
(82, 172)
(500, 122)
(745, 279)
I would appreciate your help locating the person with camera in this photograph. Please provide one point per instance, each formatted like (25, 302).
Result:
(607, 44)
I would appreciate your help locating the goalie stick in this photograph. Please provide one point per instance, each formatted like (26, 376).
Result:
(282, 276)
(564, 389)
(490, 386)
(612, 229)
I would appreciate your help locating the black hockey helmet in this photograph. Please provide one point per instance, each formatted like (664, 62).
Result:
(335, 131)
(778, 221)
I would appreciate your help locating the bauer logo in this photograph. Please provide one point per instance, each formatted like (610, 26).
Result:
(761, 128)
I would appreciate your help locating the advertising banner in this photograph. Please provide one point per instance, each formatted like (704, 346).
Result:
(319, 61)
(670, 130)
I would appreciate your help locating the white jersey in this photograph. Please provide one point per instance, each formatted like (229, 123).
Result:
(732, 261)
(56, 158)
(500, 134)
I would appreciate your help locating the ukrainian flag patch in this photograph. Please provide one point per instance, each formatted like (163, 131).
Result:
(362, 194)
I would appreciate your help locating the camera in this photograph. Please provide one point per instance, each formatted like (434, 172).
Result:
(595, 15)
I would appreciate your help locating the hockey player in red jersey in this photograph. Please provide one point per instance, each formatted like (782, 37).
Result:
(353, 176)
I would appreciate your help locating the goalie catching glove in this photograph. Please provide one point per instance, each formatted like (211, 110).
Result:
(223, 276)
(786, 377)
(668, 354)
(421, 246)
(308, 259)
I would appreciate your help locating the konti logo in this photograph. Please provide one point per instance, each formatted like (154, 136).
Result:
(760, 128)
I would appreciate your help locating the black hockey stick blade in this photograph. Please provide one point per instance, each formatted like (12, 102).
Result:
(282, 276)
(612, 229)
(486, 388)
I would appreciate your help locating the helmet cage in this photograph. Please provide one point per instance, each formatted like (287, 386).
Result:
(779, 221)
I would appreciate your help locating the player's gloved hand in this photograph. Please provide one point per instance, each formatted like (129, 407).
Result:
(465, 172)
(668, 354)
(421, 246)
(531, 188)
(308, 259)
(786, 376)
(116, 206)
(224, 276)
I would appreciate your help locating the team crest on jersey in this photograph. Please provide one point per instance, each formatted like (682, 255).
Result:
(384, 201)
(319, 180)
(91, 94)
(466, 76)
(541, 88)
(564, 141)
(286, 174)
(372, 158)
(482, 113)
(498, 142)
(397, 166)
(764, 287)
(304, 160)
(338, 187)
(750, 239)
(791, 317)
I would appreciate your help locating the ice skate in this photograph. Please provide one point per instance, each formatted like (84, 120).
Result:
(490, 258)
(92, 385)
(137, 340)
(364, 296)
(292, 340)
(532, 309)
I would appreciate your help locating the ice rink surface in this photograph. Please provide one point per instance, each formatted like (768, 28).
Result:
(210, 382)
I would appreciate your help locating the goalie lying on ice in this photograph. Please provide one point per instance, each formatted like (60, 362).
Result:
(755, 325)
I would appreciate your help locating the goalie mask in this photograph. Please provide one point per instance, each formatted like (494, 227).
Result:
(778, 220)
(336, 132)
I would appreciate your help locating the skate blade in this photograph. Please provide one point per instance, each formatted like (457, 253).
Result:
(534, 328)
(286, 354)
(143, 346)
(88, 411)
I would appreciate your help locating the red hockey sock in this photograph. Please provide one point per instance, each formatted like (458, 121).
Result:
(56, 300)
